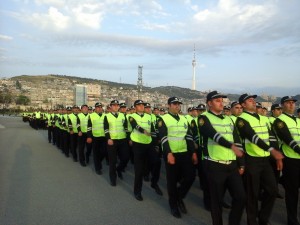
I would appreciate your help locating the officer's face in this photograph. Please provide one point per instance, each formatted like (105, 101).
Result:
(84, 109)
(140, 108)
(148, 110)
(216, 105)
(249, 105)
(156, 111)
(276, 112)
(259, 110)
(123, 110)
(195, 113)
(174, 108)
(289, 107)
(237, 110)
(98, 109)
(114, 108)
(227, 112)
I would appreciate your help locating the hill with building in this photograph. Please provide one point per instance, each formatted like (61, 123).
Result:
(52, 91)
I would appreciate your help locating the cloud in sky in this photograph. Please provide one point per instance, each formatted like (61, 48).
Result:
(236, 41)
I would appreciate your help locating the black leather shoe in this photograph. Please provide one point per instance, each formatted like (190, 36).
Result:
(99, 172)
(226, 205)
(181, 206)
(146, 178)
(175, 212)
(280, 196)
(138, 197)
(120, 175)
(157, 189)
(113, 183)
(83, 164)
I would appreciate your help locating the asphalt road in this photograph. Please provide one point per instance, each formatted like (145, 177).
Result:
(39, 185)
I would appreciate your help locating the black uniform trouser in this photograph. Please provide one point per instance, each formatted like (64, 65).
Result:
(81, 145)
(73, 145)
(57, 136)
(291, 183)
(50, 133)
(259, 174)
(120, 149)
(221, 177)
(38, 123)
(62, 140)
(99, 151)
(66, 146)
(182, 172)
(205, 186)
(145, 156)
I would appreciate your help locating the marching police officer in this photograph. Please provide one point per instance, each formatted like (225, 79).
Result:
(142, 147)
(115, 128)
(287, 127)
(73, 117)
(155, 153)
(82, 122)
(221, 147)
(96, 135)
(259, 143)
(179, 155)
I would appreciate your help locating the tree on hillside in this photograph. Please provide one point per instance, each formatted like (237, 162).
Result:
(18, 85)
(22, 100)
(5, 97)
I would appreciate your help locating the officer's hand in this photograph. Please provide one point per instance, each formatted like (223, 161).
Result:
(147, 133)
(241, 170)
(71, 132)
(237, 151)
(89, 140)
(276, 154)
(195, 158)
(130, 143)
(279, 164)
(196, 145)
(79, 133)
(110, 142)
(171, 159)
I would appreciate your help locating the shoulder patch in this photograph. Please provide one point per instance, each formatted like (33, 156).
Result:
(280, 125)
(160, 123)
(130, 119)
(240, 123)
(201, 122)
(192, 125)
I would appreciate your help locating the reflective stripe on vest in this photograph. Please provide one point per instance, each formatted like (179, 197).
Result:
(177, 131)
(83, 122)
(260, 127)
(116, 128)
(225, 128)
(97, 124)
(294, 128)
(145, 123)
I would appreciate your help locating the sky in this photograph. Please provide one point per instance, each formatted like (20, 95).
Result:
(240, 46)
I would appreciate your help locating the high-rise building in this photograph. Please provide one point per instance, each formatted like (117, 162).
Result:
(194, 71)
(93, 94)
(80, 94)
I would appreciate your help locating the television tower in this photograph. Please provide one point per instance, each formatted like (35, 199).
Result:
(194, 71)
(140, 81)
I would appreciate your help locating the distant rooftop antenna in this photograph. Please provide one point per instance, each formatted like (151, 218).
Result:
(140, 81)
(194, 71)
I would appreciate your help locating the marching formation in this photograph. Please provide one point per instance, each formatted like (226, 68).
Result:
(236, 148)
